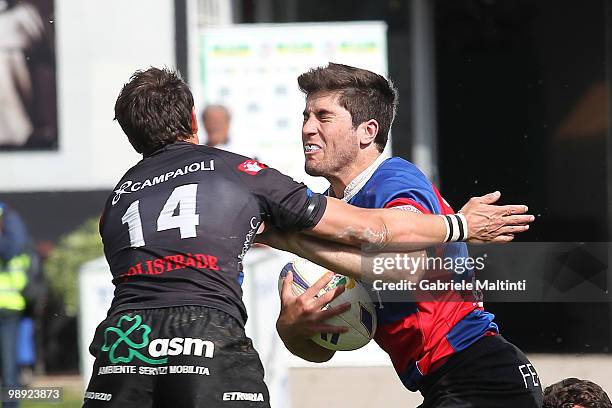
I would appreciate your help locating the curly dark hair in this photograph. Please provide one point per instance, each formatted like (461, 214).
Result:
(154, 109)
(363, 93)
(573, 391)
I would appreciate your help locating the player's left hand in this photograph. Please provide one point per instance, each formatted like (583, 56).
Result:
(303, 316)
(494, 223)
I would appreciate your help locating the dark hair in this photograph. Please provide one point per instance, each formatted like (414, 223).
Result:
(363, 93)
(572, 391)
(154, 109)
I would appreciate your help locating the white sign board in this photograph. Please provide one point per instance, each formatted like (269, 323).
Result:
(96, 294)
(252, 69)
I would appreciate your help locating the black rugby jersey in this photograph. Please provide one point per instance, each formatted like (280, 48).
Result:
(176, 227)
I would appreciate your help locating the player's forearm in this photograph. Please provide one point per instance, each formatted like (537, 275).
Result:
(379, 227)
(340, 258)
(410, 230)
(350, 261)
(479, 221)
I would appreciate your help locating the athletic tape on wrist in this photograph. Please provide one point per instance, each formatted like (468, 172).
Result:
(456, 227)
(447, 225)
(464, 226)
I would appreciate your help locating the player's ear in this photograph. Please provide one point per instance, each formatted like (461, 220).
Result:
(193, 138)
(194, 121)
(368, 131)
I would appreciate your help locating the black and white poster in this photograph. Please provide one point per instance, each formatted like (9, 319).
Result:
(28, 96)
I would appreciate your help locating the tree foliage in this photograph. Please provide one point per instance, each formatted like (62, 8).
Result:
(62, 267)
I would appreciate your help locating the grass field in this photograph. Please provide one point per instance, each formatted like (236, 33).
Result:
(71, 399)
(72, 391)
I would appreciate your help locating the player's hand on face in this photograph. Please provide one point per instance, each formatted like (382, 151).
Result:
(494, 223)
(303, 316)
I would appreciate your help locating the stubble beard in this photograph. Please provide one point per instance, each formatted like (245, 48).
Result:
(316, 169)
(330, 167)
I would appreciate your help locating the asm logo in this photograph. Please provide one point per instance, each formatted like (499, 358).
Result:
(251, 167)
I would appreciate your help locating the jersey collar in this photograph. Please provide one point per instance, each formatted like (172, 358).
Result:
(362, 178)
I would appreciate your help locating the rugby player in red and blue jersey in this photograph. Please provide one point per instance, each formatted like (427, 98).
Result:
(450, 350)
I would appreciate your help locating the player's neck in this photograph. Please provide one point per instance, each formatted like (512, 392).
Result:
(340, 181)
(190, 139)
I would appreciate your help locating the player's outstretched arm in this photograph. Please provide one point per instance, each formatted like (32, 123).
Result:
(301, 317)
(482, 222)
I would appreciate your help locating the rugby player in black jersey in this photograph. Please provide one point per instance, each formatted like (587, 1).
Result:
(175, 230)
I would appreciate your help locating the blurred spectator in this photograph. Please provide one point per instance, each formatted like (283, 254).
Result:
(575, 393)
(17, 265)
(27, 75)
(13, 234)
(216, 120)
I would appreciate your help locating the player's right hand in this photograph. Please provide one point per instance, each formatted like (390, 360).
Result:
(303, 316)
(494, 223)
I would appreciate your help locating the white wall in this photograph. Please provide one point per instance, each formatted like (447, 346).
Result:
(365, 387)
(99, 45)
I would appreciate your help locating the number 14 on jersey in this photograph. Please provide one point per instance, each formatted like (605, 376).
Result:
(183, 197)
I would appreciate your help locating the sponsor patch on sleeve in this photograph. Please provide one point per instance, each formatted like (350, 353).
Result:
(251, 167)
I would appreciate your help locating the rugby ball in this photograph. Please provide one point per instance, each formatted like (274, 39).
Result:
(360, 318)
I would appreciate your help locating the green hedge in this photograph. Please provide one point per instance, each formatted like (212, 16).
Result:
(61, 268)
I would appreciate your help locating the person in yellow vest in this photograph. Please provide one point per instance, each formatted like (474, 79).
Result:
(15, 263)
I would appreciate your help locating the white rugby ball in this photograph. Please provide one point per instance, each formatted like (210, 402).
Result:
(360, 318)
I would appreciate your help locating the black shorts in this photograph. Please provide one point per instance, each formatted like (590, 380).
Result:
(186, 356)
(491, 373)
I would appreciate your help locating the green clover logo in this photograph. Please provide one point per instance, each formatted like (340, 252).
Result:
(124, 337)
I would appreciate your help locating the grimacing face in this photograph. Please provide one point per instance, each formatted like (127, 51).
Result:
(328, 138)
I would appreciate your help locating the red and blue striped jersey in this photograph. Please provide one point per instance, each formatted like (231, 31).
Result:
(419, 336)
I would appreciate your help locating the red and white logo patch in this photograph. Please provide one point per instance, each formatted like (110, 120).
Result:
(251, 167)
